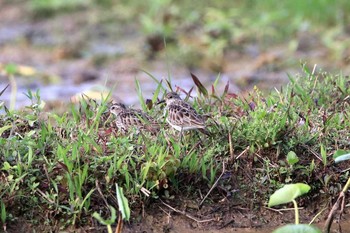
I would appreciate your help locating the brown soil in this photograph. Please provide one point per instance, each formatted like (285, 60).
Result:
(222, 217)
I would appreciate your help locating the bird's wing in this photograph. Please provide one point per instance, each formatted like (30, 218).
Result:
(139, 119)
(184, 116)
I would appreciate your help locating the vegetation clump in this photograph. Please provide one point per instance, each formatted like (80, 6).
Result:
(60, 169)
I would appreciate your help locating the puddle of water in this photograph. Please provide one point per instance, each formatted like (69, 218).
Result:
(61, 92)
(12, 32)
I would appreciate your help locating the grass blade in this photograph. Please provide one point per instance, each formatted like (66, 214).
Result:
(200, 86)
(4, 89)
(140, 95)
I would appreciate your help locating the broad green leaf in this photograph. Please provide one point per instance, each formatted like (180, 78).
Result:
(300, 228)
(123, 203)
(6, 166)
(342, 158)
(292, 158)
(339, 153)
(288, 193)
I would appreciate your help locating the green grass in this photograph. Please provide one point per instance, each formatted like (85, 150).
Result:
(204, 33)
(67, 166)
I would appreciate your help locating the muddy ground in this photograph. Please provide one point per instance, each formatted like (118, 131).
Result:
(183, 215)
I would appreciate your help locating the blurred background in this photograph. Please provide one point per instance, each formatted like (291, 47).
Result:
(67, 47)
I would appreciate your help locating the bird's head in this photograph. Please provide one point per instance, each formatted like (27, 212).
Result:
(170, 97)
(117, 108)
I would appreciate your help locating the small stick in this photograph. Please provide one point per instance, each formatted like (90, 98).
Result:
(275, 210)
(313, 152)
(216, 182)
(167, 214)
(187, 215)
(145, 191)
(243, 152)
(100, 192)
(338, 204)
(119, 227)
(281, 210)
(231, 147)
(45, 196)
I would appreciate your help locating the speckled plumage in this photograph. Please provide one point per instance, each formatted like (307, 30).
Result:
(127, 118)
(181, 115)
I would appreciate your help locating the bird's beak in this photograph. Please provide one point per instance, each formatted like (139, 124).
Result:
(106, 111)
(160, 102)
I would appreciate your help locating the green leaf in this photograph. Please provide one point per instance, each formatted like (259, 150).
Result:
(3, 212)
(106, 221)
(4, 128)
(342, 158)
(292, 158)
(11, 68)
(339, 153)
(324, 155)
(6, 166)
(123, 203)
(288, 193)
(140, 95)
(156, 92)
(300, 228)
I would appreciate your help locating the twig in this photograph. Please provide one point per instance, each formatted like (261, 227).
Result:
(45, 196)
(243, 152)
(231, 146)
(313, 70)
(200, 193)
(313, 152)
(167, 214)
(316, 216)
(119, 227)
(339, 203)
(145, 191)
(214, 185)
(46, 173)
(328, 224)
(100, 192)
(187, 215)
(275, 210)
(281, 210)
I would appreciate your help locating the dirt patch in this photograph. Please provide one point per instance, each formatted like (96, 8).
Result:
(214, 218)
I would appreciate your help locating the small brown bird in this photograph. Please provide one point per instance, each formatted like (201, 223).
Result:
(127, 118)
(181, 115)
